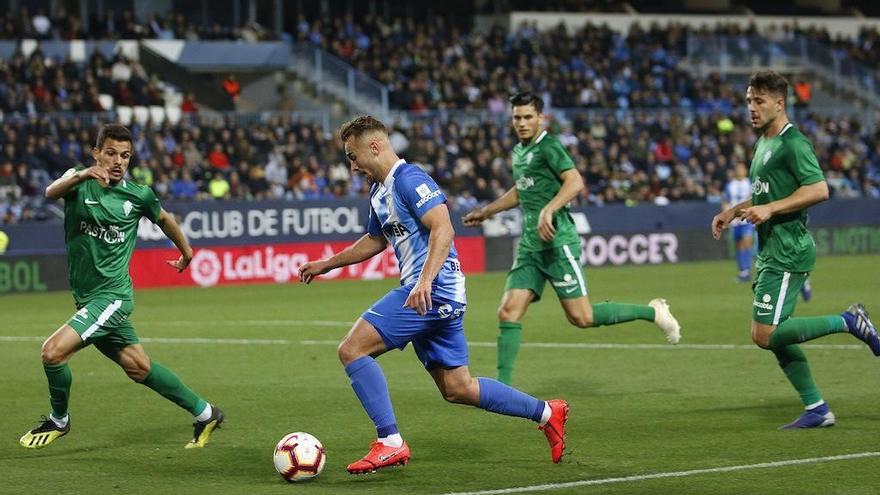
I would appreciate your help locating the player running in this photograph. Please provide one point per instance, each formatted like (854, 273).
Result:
(101, 215)
(736, 191)
(786, 180)
(408, 210)
(546, 180)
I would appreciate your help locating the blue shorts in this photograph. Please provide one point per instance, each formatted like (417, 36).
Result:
(437, 337)
(743, 230)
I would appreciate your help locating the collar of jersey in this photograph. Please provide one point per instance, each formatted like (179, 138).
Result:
(390, 177)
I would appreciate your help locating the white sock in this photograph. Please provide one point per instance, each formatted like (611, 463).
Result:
(393, 440)
(60, 422)
(545, 416)
(206, 414)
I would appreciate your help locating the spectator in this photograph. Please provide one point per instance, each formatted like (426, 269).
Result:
(218, 187)
(232, 88)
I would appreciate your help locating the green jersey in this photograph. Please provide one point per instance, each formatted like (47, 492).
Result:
(537, 171)
(780, 166)
(100, 230)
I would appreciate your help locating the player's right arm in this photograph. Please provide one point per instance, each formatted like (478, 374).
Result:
(508, 200)
(365, 248)
(72, 178)
(722, 220)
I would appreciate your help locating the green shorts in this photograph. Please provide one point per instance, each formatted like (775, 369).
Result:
(560, 265)
(104, 322)
(776, 295)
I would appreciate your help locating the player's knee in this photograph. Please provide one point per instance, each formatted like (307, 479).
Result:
(347, 352)
(581, 321)
(137, 371)
(761, 339)
(506, 313)
(456, 395)
(52, 354)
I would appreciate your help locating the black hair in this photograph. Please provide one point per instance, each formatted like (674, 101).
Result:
(527, 98)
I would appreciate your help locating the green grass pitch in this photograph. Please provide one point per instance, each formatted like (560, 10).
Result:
(267, 355)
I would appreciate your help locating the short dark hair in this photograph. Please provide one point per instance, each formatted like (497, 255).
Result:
(359, 126)
(771, 82)
(116, 132)
(527, 98)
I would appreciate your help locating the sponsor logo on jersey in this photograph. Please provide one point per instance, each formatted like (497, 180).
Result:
(524, 183)
(426, 194)
(127, 207)
(395, 230)
(760, 187)
(91, 202)
(110, 235)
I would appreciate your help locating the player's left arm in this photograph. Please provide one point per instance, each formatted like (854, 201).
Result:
(439, 242)
(802, 197)
(804, 166)
(169, 226)
(572, 185)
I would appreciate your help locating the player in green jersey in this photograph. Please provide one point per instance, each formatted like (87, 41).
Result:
(549, 248)
(101, 215)
(786, 180)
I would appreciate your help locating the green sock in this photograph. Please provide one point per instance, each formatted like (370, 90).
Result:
(508, 346)
(794, 364)
(798, 330)
(168, 385)
(612, 313)
(59, 378)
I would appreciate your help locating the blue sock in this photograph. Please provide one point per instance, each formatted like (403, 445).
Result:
(744, 259)
(371, 389)
(503, 399)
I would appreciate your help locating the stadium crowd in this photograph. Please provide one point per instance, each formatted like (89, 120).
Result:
(35, 84)
(635, 157)
(643, 128)
(114, 25)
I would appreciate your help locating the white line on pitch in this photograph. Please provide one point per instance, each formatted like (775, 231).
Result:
(673, 474)
(545, 345)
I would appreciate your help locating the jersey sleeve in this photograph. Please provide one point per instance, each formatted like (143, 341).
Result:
(73, 190)
(374, 228)
(803, 163)
(419, 191)
(151, 208)
(557, 156)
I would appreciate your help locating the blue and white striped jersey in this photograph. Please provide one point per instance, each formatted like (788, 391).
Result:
(737, 191)
(396, 208)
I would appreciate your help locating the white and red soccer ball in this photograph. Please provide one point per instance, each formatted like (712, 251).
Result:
(299, 456)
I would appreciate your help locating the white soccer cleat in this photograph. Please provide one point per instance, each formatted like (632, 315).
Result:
(663, 318)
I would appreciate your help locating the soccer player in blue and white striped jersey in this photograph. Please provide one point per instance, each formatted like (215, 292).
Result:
(408, 210)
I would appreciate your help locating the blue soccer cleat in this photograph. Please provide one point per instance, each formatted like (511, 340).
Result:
(858, 324)
(807, 290)
(818, 417)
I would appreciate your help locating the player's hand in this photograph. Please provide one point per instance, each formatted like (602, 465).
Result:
(720, 222)
(181, 263)
(546, 230)
(98, 173)
(419, 298)
(311, 269)
(474, 217)
(757, 214)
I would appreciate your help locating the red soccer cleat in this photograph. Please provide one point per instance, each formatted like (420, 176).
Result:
(380, 456)
(554, 428)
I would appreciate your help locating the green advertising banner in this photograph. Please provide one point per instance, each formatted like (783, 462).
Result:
(19, 274)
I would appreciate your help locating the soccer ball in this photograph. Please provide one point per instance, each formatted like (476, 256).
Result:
(299, 456)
